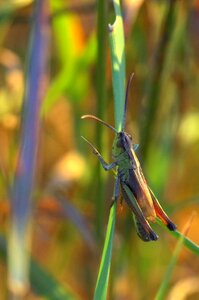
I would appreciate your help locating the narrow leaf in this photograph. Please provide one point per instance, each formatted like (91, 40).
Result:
(102, 280)
(21, 194)
(44, 284)
(41, 281)
(167, 277)
(118, 75)
(118, 64)
(193, 247)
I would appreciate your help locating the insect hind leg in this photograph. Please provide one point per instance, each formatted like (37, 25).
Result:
(161, 214)
(143, 233)
(144, 230)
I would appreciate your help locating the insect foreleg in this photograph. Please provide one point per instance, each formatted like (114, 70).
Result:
(104, 164)
(116, 192)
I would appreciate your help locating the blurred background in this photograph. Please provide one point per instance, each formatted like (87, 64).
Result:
(72, 195)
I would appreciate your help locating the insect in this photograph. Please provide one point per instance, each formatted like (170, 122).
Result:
(130, 179)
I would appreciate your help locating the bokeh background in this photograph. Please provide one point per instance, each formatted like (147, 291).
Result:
(72, 195)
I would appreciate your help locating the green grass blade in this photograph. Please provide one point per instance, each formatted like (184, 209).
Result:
(65, 53)
(118, 64)
(165, 282)
(45, 285)
(102, 280)
(193, 247)
(73, 62)
(101, 108)
(118, 75)
(186, 242)
(154, 84)
(41, 281)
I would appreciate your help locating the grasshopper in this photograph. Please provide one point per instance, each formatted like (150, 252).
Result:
(130, 179)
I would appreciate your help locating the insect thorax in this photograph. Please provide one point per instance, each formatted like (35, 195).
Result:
(117, 148)
(121, 156)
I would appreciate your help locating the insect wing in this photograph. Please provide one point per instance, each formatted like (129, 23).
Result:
(145, 231)
(137, 182)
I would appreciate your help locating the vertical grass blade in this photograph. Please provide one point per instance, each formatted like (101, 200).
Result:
(101, 60)
(73, 58)
(101, 109)
(65, 51)
(118, 64)
(21, 193)
(165, 282)
(154, 84)
(118, 75)
(102, 280)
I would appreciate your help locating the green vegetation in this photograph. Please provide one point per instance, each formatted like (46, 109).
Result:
(59, 238)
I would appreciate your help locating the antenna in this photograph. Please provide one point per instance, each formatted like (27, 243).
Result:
(99, 120)
(126, 100)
